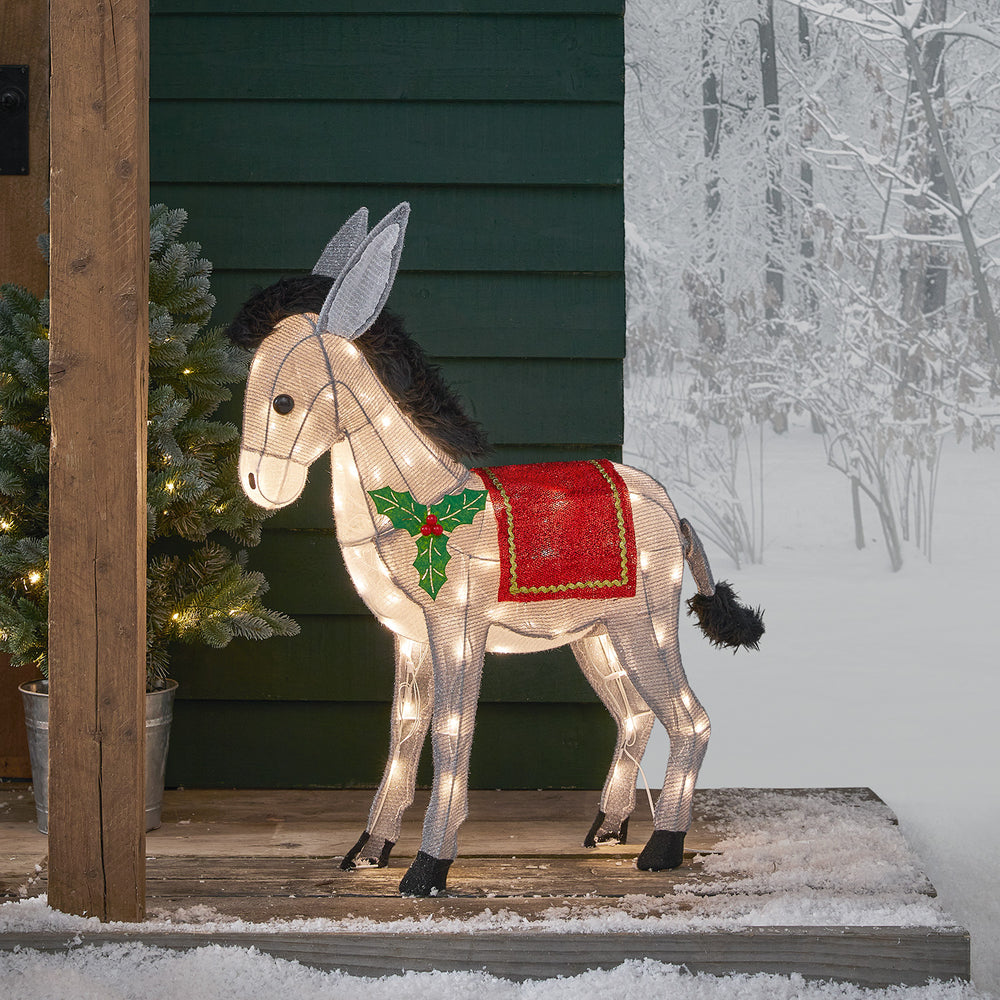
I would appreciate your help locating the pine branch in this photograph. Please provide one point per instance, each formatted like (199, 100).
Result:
(198, 589)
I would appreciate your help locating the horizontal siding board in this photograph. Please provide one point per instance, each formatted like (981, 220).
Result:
(333, 658)
(310, 744)
(569, 400)
(357, 142)
(485, 315)
(312, 511)
(519, 454)
(306, 572)
(279, 227)
(350, 658)
(390, 7)
(373, 57)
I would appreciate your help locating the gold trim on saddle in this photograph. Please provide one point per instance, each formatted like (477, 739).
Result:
(622, 581)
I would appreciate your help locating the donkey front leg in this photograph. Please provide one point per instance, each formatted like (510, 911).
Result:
(412, 704)
(458, 667)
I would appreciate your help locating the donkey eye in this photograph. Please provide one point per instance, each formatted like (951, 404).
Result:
(283, 404)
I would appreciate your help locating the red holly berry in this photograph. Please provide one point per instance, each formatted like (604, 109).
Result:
(431, 526)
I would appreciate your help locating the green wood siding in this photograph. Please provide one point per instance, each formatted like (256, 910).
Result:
(260, 744)
(501, 122)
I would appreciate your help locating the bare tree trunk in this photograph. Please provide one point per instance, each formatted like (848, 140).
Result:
(925, 276)
(711, 314)
(774, 280)
(935, 290)
(859, 525)
(807, 249)
(984, 301)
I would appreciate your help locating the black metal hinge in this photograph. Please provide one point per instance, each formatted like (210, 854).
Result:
(13, 119)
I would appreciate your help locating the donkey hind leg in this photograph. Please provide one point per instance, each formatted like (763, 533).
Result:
(412, 704)
(652, 658)
(601, 667)
(458, 669)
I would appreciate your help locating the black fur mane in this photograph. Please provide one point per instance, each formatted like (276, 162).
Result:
(398, 361)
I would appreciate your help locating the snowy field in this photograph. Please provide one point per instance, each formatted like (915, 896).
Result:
(864, 677)
(868, 677)
(131, 972)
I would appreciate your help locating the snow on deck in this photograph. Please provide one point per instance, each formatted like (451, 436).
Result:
(818, 882)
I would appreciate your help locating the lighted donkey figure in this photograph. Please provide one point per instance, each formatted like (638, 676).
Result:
(440, 553)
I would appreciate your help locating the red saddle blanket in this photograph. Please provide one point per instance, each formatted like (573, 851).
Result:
(564, 530)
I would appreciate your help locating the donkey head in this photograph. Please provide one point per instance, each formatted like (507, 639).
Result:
(290, 413)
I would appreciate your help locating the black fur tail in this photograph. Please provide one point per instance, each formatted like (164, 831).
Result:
(725, 621)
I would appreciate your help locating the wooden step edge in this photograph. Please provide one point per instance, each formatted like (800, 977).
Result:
(868, 956)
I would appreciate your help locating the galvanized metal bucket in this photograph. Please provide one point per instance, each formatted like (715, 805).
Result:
(159, 713)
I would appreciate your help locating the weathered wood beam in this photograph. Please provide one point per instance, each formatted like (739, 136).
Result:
(873, 957)
(98, 395)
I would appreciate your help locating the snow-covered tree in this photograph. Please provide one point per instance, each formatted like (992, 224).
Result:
(808, 199)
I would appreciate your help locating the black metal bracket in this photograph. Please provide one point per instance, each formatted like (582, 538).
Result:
(13, 119)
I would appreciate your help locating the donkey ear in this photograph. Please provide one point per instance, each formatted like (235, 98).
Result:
(360, 291)
(338, 251)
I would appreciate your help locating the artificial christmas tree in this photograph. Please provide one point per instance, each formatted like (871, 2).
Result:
(198, 586)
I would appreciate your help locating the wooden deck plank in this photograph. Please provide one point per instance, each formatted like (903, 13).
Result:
(258, 856)
(326, 822)
(514, 844)
(477, 877)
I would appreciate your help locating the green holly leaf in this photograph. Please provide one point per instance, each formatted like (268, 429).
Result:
(432, 557)
(400, 508)
(459, 508)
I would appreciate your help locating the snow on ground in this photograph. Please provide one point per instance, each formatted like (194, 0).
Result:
(864, 678)
(871, 678)
(124, 972)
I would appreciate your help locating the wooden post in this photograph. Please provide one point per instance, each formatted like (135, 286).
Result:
(98, 395)
(24, 41)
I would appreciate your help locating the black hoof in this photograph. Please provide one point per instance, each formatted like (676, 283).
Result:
(596, 836)
(664, 850)
(426, 876)
(373, 857)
